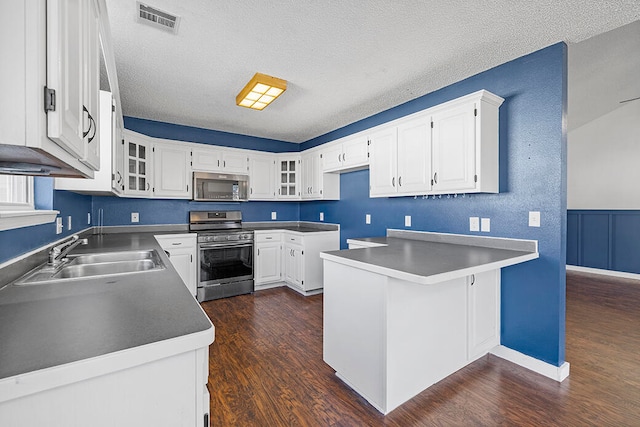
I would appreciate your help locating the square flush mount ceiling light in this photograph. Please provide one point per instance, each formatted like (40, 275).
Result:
(260, 91)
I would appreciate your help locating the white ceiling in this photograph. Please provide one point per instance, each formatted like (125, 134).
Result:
(343, 60)
(603, 71)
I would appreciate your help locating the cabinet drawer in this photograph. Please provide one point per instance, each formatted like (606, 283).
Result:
(292, 238)
(268, 237)
(177, 240)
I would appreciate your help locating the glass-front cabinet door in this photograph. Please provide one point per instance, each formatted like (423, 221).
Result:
(138, 166)
(289, 177)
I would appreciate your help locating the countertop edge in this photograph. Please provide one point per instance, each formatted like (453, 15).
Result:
(69, 373)
(431, 279)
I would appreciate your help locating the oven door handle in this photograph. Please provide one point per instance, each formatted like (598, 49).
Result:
(224, 245)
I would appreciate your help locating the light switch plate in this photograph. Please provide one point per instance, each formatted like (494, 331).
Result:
(88, 217)
(474, 223)
(407, 221)
(367, 219)
(69, 222)
(58, 225)
(135, 217)
(485, 224)
(321, 216)
(274, 215)
(534, 219)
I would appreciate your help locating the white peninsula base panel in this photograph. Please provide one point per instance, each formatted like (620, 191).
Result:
(168, 392)
(389, 339)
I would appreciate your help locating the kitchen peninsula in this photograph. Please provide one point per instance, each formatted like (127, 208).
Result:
(404, 311)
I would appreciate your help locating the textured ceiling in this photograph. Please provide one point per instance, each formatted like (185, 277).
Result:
(343, 60)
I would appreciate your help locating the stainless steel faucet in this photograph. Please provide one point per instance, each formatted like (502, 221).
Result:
(59, 251)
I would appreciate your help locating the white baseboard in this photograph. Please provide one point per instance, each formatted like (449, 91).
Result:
(557, 373)
(604, 272)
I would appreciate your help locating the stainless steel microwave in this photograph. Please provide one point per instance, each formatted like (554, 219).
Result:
(220, 187)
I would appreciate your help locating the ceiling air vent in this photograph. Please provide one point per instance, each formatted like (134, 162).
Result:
(157, 18)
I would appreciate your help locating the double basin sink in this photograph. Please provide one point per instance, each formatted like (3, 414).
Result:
(94, 266)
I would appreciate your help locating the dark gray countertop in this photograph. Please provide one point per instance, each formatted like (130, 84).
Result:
(51, 324)
(426, 262)
(298, 226)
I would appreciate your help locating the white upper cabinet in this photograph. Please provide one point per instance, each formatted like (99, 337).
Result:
(414, 156)
(217, 159)
(110, 178)
(172, 173)
(451, 148)
(73, 77)
(91, 90)
(346, 155)
(383, 165)
(465, 145)
(454, 157)
(289, 176)
(138, 164)
(400, 159)
(235, 162)
(262, 177)
(47, 44)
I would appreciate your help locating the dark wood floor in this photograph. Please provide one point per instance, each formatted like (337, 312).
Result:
(266, 369)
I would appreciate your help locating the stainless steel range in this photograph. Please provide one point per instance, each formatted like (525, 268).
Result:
(225, 253)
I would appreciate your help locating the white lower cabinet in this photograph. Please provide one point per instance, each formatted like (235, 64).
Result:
(483, 313)
(293, 263)
(292, 258)
(268, 264)
(167, 391)
(182, 250)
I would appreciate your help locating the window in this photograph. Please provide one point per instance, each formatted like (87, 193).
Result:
(17, 208)
(16, 192)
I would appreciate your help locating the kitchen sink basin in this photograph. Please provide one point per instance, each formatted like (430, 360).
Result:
(94, 266)
(108, 257)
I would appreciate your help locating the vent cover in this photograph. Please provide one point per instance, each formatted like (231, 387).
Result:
(158, 18)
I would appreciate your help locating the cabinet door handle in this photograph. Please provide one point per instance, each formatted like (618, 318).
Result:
(473, 279)
(400, 181)
(148, 185)
(168, 254)
(176, 243)
(435, 178)
(218, 163)
(224, 163)
(344, 156)
(393, 181)
(258, 252)
(268, 238)
(339, 155)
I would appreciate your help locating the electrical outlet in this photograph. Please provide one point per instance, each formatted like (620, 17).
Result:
(534, 219)
(69, 222)
(274, 215)
(88, 217)
(474, 223)
(321, 216)
(485, 225)
(367, 219)
(407, 220)
(58, 225)
(135, 217)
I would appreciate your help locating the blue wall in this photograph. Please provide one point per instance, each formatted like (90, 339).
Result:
(22, 240)
(533, 169)
(605, 239)
(117, 211)
(207, 136)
